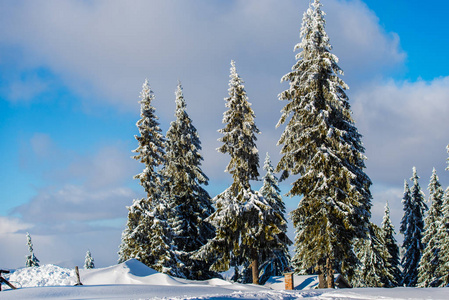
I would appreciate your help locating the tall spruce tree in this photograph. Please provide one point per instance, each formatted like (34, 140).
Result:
(31, 260)
(392, 248)
(413, 232)
(189, 203)
(246, 224)
(429, 271)
(148, 236)
(321, 144)
(375, 269)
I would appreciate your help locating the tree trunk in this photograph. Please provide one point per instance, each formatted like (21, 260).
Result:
(321, 279)
(329, 274)
(255, 267)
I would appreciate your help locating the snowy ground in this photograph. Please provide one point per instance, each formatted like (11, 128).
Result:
(133, 280)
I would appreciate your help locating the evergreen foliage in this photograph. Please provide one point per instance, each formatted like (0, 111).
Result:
(429, 271)
(280, 260)
(406, 206)
(392, 247)
(239, 134)
(375, 269)
(89, 261)
(31, 260)
(246, 224)
(444, 246)
(444, 233)
(148, 236)
(321, 144)
(189, 203)
(150, 151)
(412, 228)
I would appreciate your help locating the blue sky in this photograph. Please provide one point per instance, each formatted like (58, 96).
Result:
(71, 73)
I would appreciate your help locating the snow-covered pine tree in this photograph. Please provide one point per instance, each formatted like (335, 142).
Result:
(375, 269)
(444, 233)
(147, 236)
(150, 151)
(392, 248)
(239, 134)
(444, 246)
(246, 224)
(429, 271)
(189, 202)
(271, 191)
(31, 260)
(407, 207)
(275, 265)
(89, 261)
(413, 233)
(321, 144)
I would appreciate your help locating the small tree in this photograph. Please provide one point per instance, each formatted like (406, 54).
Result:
(444, 233)
(280, 260)
(429, 271)
(89, 261)
(375, 269)
(31, 260)
(392, 247)
(413, 233)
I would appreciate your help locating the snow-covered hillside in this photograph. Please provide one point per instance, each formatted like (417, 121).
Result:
(133, 280)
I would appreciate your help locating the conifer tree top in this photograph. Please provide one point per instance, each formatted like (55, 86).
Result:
(239, 133)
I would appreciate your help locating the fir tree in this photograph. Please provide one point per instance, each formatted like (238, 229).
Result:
(246, 224)
(321, 144)
(280, 260)
(148, 236)
(392, 248)
(89, 261)
(189, 203)
(444, 234)
(444, 246)
(31, 260)
(150, 151)
(429, 271)
(407, 207)
(271, 191)
(413, 232)
(239, 135)
(375, 269)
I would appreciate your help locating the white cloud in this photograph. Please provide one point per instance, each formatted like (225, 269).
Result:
(12, 225)
(404, 125)
(72, 203)
(107, 48)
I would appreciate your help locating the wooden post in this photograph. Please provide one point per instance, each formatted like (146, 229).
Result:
(3, 280)
(78, 281)
(289, 282)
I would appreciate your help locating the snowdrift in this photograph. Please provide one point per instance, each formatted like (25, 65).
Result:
(134, 280)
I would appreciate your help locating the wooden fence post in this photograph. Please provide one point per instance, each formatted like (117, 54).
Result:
(78, 281)
(289, 282)
(3, 280)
